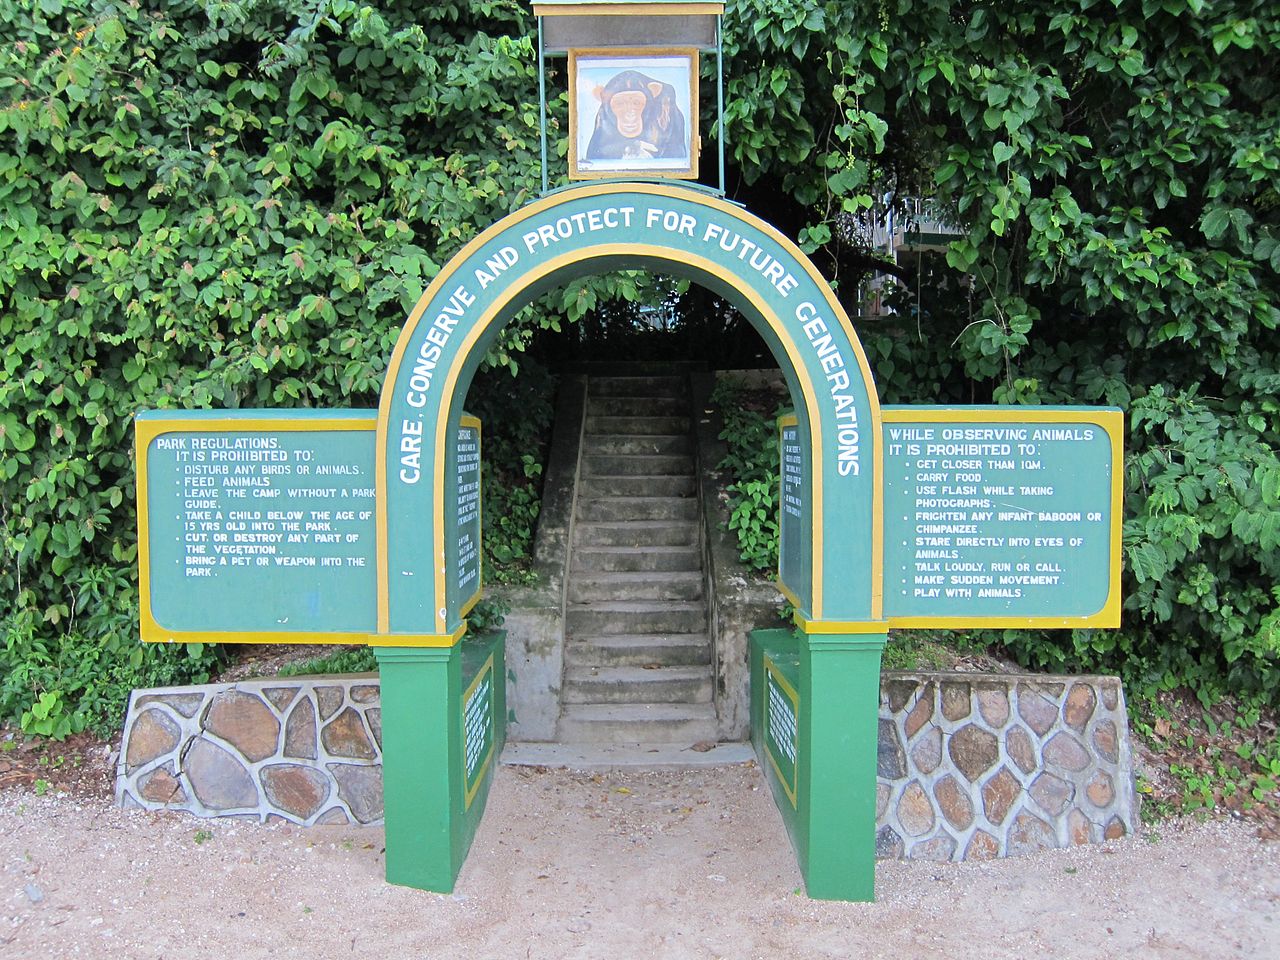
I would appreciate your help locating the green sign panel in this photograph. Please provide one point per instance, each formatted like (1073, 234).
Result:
(464, 540)
(781, 723)
(795, 522)
(998, 516)
(477, 729)
(257, 525)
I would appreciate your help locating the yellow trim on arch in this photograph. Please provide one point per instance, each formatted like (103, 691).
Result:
(446, 276)
(1112, 422)
(144, 432)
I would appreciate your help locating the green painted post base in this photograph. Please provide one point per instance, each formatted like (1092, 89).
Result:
(434, 789)
(827, 795)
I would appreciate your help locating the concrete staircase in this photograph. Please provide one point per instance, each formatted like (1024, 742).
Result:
(637, 651)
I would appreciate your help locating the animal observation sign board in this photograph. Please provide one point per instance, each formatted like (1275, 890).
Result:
(259, 525)
(992, 516)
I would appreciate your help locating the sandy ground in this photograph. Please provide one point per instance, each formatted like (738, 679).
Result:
(691, 863)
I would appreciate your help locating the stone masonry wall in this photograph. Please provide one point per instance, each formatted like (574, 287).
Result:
(308, 750)
(971, 766)
(975, 766)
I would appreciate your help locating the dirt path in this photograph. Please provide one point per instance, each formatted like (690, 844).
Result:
(651, 864)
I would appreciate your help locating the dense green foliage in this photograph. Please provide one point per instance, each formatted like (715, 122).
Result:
(229, 204)
(212, 205)
(752, 463)
(1116, 166)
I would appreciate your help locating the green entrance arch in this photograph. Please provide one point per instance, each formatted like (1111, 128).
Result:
(832, 572)
(832, 537)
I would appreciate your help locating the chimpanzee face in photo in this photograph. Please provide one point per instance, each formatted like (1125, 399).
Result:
(628, 110)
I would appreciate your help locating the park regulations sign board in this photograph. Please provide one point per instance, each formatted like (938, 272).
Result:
(258, 526)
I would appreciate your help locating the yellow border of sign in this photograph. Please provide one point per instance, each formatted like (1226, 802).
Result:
(790, 346)
(468, 420)
(470, 793)
(618, 53)
(1111, 421)
(145, 431)
(772, 671)
(626, 9)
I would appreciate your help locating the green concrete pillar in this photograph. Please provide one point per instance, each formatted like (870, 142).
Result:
(838, 740)
(420, 733)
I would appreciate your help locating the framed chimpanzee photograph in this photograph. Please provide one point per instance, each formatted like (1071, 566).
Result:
(633, 113)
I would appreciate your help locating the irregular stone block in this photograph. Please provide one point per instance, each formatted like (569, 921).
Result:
(153, 735)
(982, 846)
(927, 752)
(280, 697)
(1052, 793)
(993, 704)
(915, 811)
(345, 736)
(365, 693)
(1081, 702)
(891, 762)
(1105, 741)
(1021, 750)
(956, 700)
(245, 722)
(889, 845)
(295, 789)
(921, 713)
(334, 816)
(360, 788)
(953, 803)
(938, 849)
(161, 786)
(1036, 709)
(973, 750)
(998, 795)
(374, 717)
(883, 792)
(899, 692)
(185, 704)
(1029, 834)
(1110, 692)
(1065, 751)
(1101, 790)
(330, 699)
(218, 778)
(1079, 827)
(1115, 829)
(300, 731)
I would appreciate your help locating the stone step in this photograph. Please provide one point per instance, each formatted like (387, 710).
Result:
(592, 587)
(635, 616)
(632, 425)
(636, 533)
(659, 406)
(630, 465)
(645, 443)
(603, 559)
(621, 509)
(634, 722)
(652, 386)
(690, 684)
(639, 649)
(640, 485)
